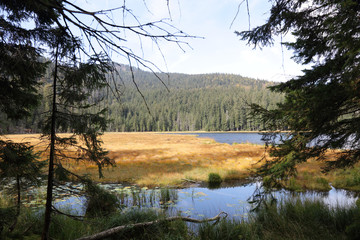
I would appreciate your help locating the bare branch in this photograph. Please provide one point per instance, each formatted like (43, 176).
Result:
(237, 13)
(118, 229)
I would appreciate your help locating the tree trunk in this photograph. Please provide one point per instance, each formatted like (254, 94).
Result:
(18, 204)
(18, 196)
(49, 191)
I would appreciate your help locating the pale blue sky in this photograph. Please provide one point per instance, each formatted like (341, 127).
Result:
(220, 51)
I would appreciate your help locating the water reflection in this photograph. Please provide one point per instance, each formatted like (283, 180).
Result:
(201, 202)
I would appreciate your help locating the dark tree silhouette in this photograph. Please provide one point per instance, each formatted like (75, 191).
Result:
(322, 106)
(80, 44)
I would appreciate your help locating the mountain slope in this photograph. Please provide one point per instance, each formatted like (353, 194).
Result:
(179, 102)
(211, 102)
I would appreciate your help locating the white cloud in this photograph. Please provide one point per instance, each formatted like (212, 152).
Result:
(221, 50)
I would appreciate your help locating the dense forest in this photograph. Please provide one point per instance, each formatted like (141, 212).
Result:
(180, 102)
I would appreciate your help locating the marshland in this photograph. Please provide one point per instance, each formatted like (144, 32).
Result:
(130, 120)
(166, 174)
(177, 159)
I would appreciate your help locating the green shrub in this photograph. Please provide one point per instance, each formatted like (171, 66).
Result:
(214, 178)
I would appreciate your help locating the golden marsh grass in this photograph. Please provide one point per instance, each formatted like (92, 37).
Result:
(154, 159)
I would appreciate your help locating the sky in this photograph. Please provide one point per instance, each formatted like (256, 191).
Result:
(217, 49)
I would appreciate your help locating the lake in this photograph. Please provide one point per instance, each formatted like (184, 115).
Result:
(255, 138)
(229, 137)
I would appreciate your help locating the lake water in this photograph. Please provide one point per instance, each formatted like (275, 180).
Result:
(229, 137)
(255, 138)
(201, 202)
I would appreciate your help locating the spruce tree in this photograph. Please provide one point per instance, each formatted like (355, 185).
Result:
(81, 54)
(19, 162)
(21, 67)
(322, 106)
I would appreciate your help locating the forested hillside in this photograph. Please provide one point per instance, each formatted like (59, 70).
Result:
(210, 102)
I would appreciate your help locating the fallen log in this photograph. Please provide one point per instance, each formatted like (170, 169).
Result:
(118, 229)
(188, 180)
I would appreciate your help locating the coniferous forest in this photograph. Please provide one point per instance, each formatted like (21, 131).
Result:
(182, 102)
(177, 102)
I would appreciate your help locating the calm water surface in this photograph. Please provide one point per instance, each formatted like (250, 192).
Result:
(200, 202)
(229, 137)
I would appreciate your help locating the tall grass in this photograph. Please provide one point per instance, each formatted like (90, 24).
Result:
(165, 230)
(290, 219)
(347, 178)
(62, 227)
(287, 219)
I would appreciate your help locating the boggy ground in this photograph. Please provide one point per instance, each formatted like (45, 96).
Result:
(153, 159)
(157, 159)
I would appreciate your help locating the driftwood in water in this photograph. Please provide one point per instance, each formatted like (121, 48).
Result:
(118, 229)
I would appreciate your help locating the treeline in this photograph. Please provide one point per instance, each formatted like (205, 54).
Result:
(182, 102)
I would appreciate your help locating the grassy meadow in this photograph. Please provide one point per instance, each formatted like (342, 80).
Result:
(154, 159)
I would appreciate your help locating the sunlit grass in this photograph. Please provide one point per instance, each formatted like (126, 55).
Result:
(153, 159)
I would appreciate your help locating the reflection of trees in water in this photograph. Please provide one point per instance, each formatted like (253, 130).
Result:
(163, 198)
(128, 196)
